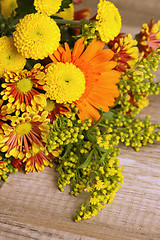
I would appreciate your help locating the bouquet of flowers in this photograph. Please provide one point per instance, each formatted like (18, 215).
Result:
(71, 89)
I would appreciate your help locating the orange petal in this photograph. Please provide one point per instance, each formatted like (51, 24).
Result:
(78, 48)
(103, 56)
(98, 105)
(103, 67)
(92, 50)
(87, 111)
(67, 52)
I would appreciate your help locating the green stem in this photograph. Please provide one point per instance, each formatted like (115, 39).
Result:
(71, 22)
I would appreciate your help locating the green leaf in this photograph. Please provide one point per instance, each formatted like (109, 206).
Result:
(107, 116)
(68, 149)
(25, 7)
(104, 156)
(88, 160)
(65, 4)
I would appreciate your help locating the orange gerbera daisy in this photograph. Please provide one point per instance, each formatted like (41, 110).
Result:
(22, 89)
(85, 78)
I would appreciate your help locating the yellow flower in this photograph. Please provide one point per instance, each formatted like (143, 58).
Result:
(84, 77)
(36, 36)
(143, 103)
(109, 21)
(68, 13)
(69, 82)
(7, 6)
(10, 59)
(49, 7)
(23, 90)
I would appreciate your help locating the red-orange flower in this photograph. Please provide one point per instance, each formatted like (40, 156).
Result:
(149, 37)
(125, 51)
(85, 78)
(37, 162)
(25, 135)
(22, 89)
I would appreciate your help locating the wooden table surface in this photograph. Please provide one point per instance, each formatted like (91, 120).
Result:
(32, 207)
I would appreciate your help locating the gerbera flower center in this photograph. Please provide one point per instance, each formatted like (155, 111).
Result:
(65, 82)
(24, 85)
(23, 128)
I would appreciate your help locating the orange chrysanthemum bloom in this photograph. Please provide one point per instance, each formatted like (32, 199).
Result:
(149, 37)
(22, 90)
(85, 78)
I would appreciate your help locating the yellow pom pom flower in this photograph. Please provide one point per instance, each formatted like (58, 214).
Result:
(49, 7)
(36, 36)
(109, 21)
(7, 6)
(10, 59)
(65, 82)
(67, 14)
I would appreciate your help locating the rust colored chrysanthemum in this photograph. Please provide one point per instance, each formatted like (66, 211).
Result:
(56, 109)
(25, 135)
(125, 51)
(149, 37)
(37, 161)
(85, 78)
(22, 90)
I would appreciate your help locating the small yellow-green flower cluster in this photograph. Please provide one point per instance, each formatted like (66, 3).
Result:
(137, 83)
(138, 133)
(81, 142)
(6, 167)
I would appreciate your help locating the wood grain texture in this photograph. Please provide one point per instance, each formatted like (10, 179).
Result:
(32, 207)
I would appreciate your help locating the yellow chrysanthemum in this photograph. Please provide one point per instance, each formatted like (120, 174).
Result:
(36, 36)
(49, 7)
(109, 21)
(7, 6)
(64, 82)
(10, 59)
(67, 14)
